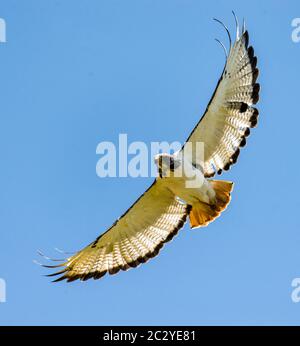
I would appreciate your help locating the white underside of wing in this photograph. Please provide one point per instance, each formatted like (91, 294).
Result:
(137, 236)
(230, 114)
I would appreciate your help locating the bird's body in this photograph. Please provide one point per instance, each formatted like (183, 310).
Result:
(185, 180)
(207, 198)
(183, 188)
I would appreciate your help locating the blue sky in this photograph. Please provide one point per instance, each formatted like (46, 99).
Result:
(75, 73)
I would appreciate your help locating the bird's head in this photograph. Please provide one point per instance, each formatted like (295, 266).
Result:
(166, 164)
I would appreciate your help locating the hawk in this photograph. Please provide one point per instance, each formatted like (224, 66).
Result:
(157, 216)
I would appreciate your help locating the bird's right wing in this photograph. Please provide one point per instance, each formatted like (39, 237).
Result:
(138, 235)
(230, 114)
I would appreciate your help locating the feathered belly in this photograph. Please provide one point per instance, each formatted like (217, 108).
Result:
(192, 190)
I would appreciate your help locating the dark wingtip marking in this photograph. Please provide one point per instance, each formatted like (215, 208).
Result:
(254, 118)
(99, 275)
(246, 35)
(253, 62)
(64, 277)
(255, 93)
(57, 273)
(243, 107)
(73, 278)
(250, 53)
(133, 264)
(255, 74)
(235, 155)
(113, 271)
(143, 259)
(85, 277)
(227, 166)
(243, 142)
(52, 266)
(247, 132)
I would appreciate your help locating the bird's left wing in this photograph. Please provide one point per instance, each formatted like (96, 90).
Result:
(230, 114)
(138, 235)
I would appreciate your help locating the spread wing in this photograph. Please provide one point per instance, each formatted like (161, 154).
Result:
(138, 235)
(229, 115)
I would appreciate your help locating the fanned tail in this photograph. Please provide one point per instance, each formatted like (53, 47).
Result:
(202, 214)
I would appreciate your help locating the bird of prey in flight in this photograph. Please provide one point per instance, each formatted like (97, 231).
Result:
(158, 214)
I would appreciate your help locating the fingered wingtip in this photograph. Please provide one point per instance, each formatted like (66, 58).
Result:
(64, 252)
(48, 266)
(226, 29)
(244, 26)
(56, 273)
(40, 253)
(237, 25)
(37, 263)
(223, 46)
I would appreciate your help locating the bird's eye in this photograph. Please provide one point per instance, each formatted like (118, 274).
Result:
(172, 166)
